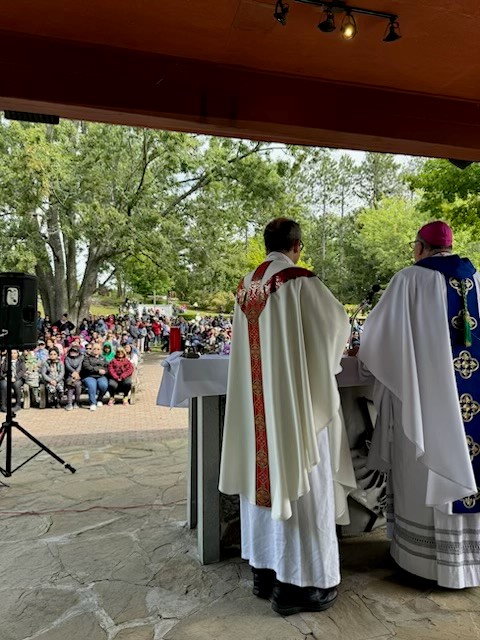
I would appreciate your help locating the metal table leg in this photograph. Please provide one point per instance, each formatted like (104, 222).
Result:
(210, 424)
(192, 486)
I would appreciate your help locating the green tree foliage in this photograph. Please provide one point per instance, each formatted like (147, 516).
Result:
(340, 267)
(452, 194)
(384, 234)
(144, 277)
(88, 205)
(249, 190)
(88, 194)
(83, 203)
(440, 183)
(325, 183)
(375, 246)
(379, 177)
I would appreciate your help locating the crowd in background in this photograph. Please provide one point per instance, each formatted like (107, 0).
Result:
(101, 355)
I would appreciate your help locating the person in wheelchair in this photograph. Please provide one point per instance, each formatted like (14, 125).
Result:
(120, 371)
(18, 378)
(53, 374)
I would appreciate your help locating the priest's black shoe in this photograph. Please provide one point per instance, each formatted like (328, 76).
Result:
(288, 599)
(263, 580)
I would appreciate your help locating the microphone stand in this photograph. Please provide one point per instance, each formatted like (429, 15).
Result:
(366, 302)
(363, 305)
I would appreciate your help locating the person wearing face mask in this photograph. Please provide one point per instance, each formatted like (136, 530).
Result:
(53, 374)
(73, 380)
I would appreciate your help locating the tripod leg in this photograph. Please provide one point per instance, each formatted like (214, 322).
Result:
(43, 447)
(3, 432)
(8, 452)
(6, 434)
(7, 425)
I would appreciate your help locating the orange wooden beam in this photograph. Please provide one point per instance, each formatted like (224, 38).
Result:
(129, 87)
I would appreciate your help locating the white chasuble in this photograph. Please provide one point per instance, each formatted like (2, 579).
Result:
(289, 333)
(420, 434)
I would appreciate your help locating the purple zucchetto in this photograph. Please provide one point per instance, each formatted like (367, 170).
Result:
(437, 234)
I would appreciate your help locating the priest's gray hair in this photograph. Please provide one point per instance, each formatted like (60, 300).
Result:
(435, 247)
(281, 234)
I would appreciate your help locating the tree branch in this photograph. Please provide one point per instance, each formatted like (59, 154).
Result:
(149, 257)
(109, 277)
(146, 163)
(207, 177)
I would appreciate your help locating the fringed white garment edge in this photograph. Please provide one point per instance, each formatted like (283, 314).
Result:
(424, 540)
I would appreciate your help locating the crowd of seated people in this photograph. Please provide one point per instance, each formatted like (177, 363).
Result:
(101, 355)
(207, 334)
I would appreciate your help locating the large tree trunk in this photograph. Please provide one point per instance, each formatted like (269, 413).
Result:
(71, 265)
(54, 239)
(87, 289)
(120, 287)
(45, 289)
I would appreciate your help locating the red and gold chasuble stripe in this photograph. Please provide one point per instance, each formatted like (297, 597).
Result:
(252, 301)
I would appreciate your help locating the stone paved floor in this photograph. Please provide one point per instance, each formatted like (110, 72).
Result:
(105, 554)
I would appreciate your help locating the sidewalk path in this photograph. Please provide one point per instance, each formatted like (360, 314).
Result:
(140, 421)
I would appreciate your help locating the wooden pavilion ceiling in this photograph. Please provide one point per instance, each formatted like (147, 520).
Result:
(226, 67)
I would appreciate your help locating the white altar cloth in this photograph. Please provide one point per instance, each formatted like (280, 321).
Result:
(187, 378)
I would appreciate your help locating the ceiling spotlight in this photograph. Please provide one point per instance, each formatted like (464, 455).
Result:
(349, 26)
(393, 31)
(281, 11)
(328, 25)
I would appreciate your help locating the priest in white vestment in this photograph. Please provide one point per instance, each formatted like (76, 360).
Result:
(422, 344)
(285, 449)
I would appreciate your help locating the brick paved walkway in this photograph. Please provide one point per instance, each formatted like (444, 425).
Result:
(143, 420)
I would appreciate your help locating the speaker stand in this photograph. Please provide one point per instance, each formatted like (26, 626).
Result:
(6, 434)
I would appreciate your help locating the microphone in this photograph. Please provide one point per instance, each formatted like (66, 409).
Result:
(367, 301)
(375, 288)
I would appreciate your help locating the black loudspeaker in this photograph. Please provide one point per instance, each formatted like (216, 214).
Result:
(18, 310)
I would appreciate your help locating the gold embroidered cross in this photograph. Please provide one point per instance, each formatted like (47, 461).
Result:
(473, 447)
(465, 364)
(455, 283)
(471, 501)
(469, 407)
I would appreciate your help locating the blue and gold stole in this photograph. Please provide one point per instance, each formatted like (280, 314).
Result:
(463, 320)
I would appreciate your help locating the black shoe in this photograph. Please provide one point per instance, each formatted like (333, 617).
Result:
(263, 581)
(288, 599)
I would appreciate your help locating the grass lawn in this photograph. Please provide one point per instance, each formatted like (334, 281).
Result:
(103, 310)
